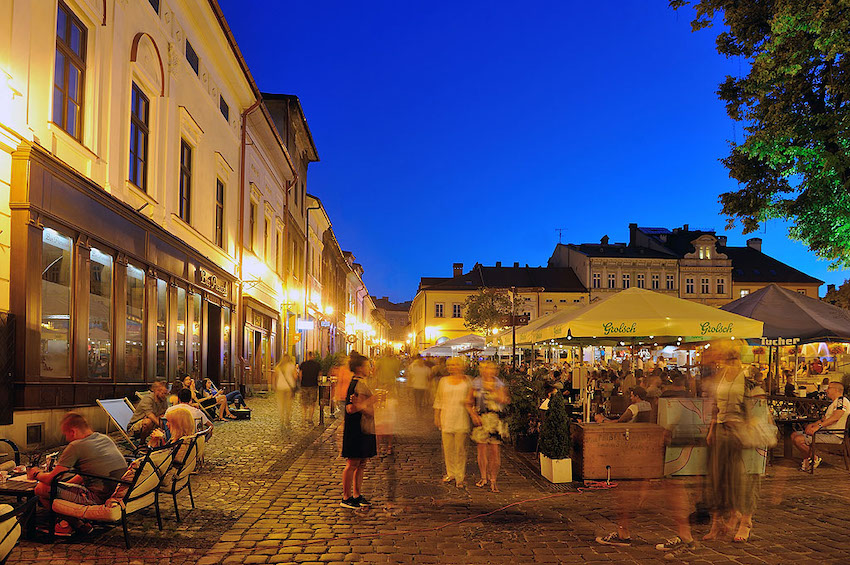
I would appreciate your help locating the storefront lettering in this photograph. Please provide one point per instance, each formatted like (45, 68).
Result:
(211, 282)
(719, 328)
(780, 341)
(609, 328)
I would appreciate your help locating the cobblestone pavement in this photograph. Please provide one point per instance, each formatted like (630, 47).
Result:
(267, 497)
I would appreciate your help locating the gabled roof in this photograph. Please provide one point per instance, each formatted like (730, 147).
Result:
(619, 250)
(551, 279)
(679, 241)
(386, 304)
(751, 265)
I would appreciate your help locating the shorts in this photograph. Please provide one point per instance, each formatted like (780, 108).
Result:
(309, 394)
(824, 438)
(137, 428)
(78, 494)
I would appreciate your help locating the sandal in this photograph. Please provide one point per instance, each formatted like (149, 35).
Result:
(482, 483)
(743, 533)
(448, 479)
(493, 487)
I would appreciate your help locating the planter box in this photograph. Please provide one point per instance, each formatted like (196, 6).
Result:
(556, 470)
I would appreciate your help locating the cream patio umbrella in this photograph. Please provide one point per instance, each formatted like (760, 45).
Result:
(635, 312)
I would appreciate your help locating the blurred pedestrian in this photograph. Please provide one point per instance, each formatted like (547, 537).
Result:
(419, 375)
(451, 416)
(285, 380)
(488, 398)
(308, 377)
(358, 432)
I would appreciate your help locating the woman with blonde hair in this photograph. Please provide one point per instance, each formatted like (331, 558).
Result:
(451, 416)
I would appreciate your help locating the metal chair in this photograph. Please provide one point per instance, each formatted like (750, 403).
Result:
(182, 468)
(843, 448)
(13, 521)
(119, 411)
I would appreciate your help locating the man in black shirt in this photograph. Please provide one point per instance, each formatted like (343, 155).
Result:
(309, 378)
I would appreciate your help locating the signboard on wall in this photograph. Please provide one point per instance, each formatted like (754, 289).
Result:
(304, 325)
(211, 281)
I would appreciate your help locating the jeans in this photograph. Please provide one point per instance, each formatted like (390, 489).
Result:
(235, 396)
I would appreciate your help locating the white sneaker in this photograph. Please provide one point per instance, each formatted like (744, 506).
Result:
(816, 463)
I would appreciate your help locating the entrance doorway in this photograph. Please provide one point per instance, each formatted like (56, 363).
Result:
(214, 358)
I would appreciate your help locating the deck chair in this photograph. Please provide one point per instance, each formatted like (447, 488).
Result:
(136, 490)
(842, 448)
(119, 410)
(12, 523)
(180, 475)
(9, 461)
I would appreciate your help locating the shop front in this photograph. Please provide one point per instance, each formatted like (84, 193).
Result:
(260, 344)
(105, 300)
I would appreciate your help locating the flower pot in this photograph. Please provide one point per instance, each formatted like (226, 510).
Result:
(556, 470)
(525, 443)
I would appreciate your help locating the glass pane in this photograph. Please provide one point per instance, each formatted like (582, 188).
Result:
(59, 70)
(226, 359)
(76, 39)
(196, 335)
(71, 118)
(58, 103)
(181, 332)
(140, 167)
(135, 338)
(55, 304)
(61, 24)
(100, 314)
(73, 83)
(161, 328)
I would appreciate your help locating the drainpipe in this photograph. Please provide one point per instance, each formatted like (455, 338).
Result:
(241, 241)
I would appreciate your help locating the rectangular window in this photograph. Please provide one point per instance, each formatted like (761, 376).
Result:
(438, 310)
(192, 57)
(185, 181)
(100, 314)
(196, 335)
(597, 280)
(181, 332)
(705, 287)
(670, 282)
(135, 337)
(626, 280)
(801, 291)
(225, 109)
(655, 282)
(277, 251)
(721, 286)
(457, 310)
(744, 292)
(161, 328)
(612, 281)
(219, 213)
(641, 281)
(56, 253)
(69, 72)
(252, 225)
(226, 357)
(689, 286)
(267, 239)
(139, 113)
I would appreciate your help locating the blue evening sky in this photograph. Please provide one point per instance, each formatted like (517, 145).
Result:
(470, 131)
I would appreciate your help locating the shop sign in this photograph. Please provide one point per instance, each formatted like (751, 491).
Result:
(719, 328)
(780, 341)
(211, 282)
(609, 328)
(304, 325)
(296, 338)
(325, 324)
(351, 339)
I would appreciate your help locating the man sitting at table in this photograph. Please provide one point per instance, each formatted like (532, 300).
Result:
(89, 452)
(638, 411)
(150, 409)
(834, 420)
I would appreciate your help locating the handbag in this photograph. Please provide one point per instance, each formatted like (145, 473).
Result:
(758, 429)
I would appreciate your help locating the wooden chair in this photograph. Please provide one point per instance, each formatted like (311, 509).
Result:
(119, 411)
(138, 489)
(843, 448)
(12, 524)
(179, 477)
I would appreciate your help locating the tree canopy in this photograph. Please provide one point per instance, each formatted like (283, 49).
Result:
(794, 104)
(484, 310)
(839, 296)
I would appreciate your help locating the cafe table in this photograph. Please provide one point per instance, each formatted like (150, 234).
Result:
(21, 488)
(788, 425)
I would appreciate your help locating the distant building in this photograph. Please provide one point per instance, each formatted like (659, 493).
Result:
(398, 317)
(692, 264)
(436, 313)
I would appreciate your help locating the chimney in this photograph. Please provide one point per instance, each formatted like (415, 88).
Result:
(755, 243)
(632, 234)
(498, 263)
(516, 264)
(604, 240)
(721, 239)
(685, 227)
(457, 269)
(830, 288)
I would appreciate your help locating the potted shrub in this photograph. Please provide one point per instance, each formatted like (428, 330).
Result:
(523, 414)
(555, 462)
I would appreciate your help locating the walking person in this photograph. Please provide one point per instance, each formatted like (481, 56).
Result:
(358, 432)
(285, 375)
(732, 492)
(419, 377)
(487, 400)
(451, 416)
(309, 378)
